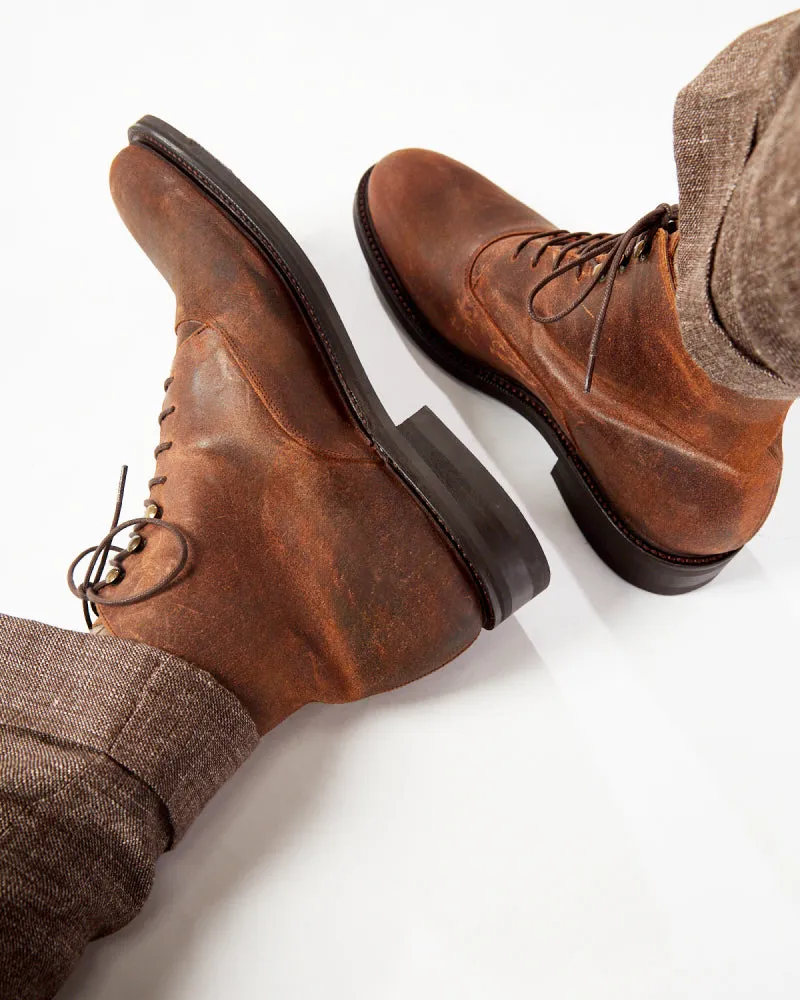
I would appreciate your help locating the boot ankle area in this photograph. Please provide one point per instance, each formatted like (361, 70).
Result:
(325, 597)
(309, 578)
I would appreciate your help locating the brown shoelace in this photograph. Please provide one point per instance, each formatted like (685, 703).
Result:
(90, 590)
(618, 251)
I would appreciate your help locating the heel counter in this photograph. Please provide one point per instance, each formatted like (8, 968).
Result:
(674, 497)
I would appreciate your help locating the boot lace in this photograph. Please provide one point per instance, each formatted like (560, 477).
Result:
(618, 251)
(92, 589)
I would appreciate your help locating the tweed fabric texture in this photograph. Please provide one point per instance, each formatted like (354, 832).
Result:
(108, 750)
(737, 146)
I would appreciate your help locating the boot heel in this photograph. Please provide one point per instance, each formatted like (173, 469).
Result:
(621, 551)
(488, 528)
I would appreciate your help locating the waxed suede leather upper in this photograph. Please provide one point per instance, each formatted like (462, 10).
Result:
(313, 574)
(691, 466)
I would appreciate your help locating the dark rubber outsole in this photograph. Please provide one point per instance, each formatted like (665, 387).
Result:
(630, 556)
(477, 517)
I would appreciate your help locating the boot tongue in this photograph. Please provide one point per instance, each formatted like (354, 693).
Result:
(673, 239)
(672, 245)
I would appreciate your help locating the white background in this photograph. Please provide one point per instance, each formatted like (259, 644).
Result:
(599, 800)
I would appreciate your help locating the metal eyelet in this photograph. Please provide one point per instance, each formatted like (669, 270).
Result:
(639, 250)
(151, 510)
(113, 575)
(596, 269)
(135, 543)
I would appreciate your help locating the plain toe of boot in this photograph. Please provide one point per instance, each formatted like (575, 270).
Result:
(432, 214)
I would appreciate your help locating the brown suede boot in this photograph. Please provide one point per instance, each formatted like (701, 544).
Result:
(667, 473)
(297, 545)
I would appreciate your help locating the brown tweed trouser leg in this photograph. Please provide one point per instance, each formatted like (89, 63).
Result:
(737, 149)
(108, 750)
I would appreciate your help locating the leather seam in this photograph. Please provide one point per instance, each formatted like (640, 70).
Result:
(250, 377)
(194, 333)
(470, 288)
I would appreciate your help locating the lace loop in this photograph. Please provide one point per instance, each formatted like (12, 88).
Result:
(90, 590)
(618, 251)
